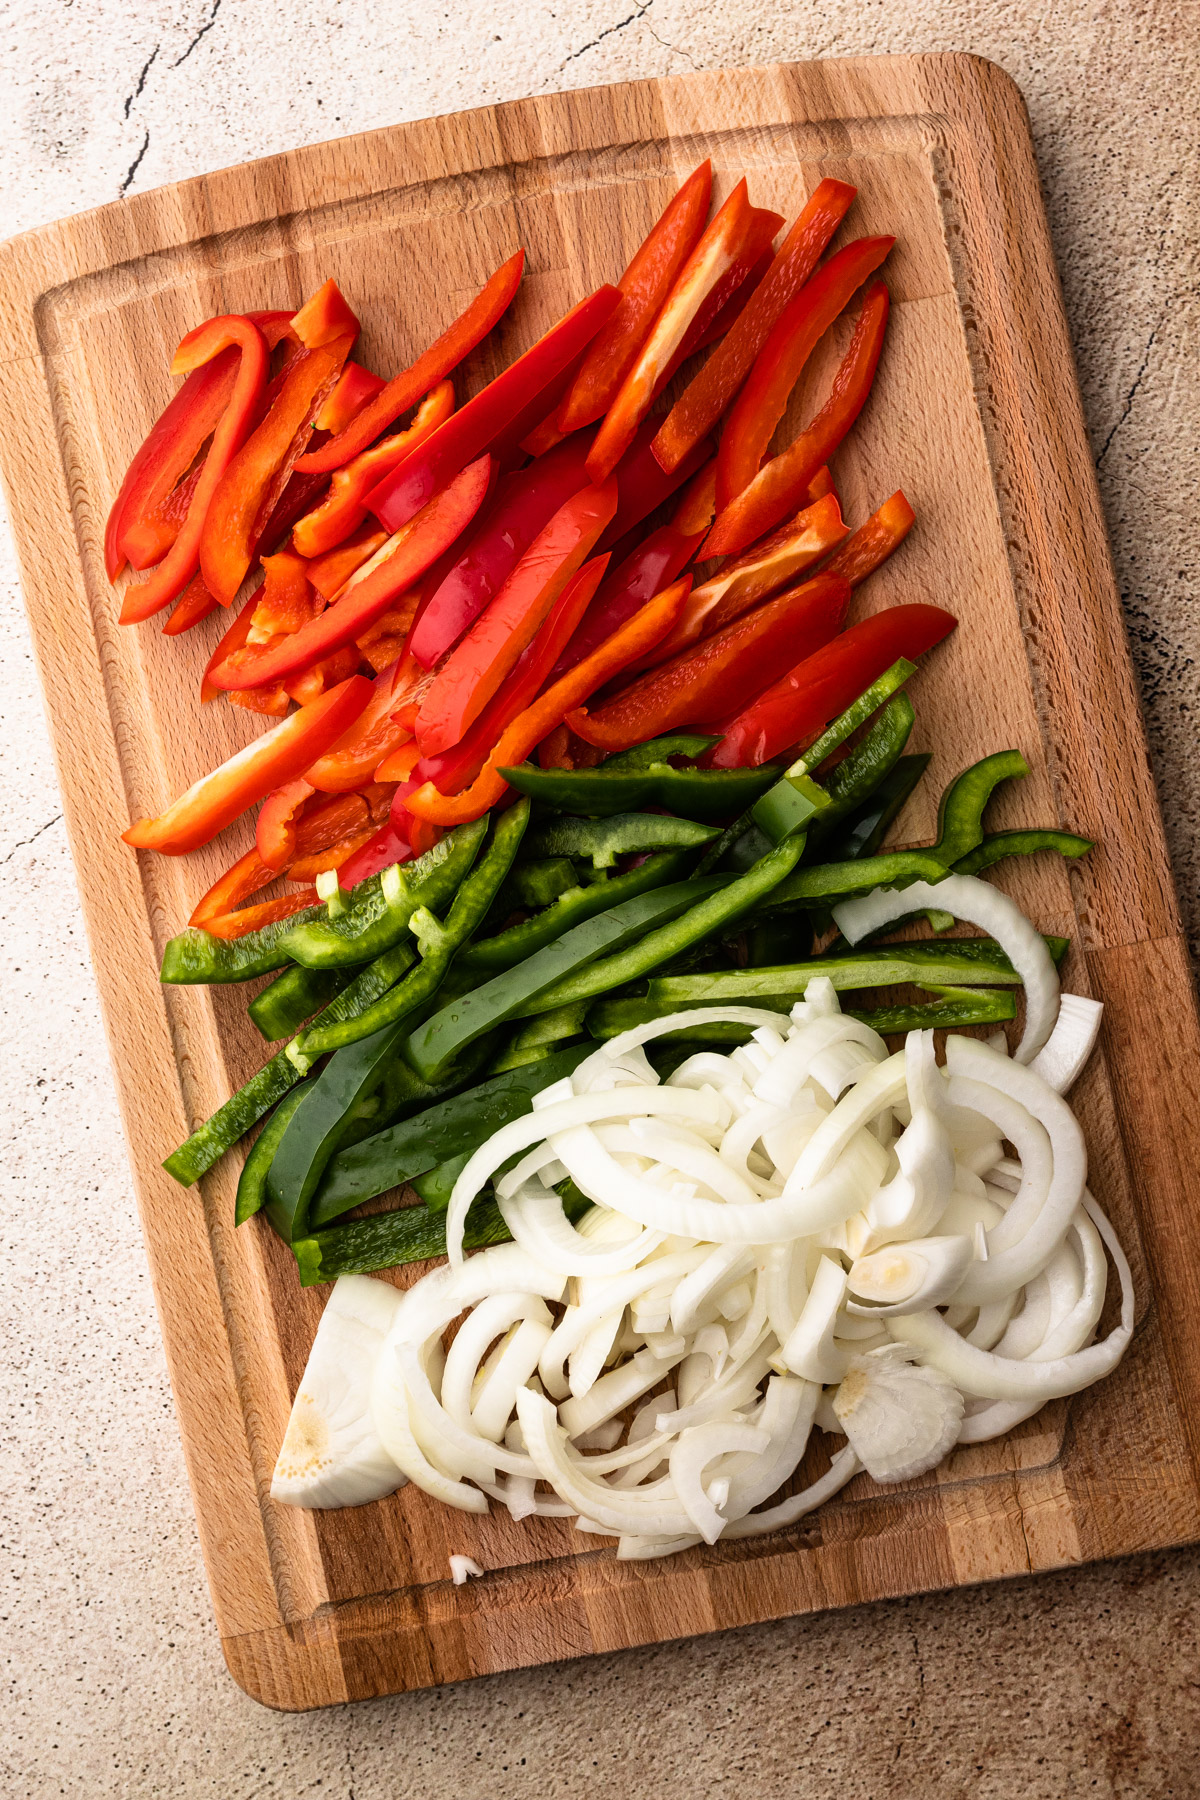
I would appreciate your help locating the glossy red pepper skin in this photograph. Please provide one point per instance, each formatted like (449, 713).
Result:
(431, 367)
(245, 497)
(356, 387)
(782, 484)
(804, 321)
(474, 426)
(649, 569)
(275, 827)
(247, 876)
(522, 505)
(451, 771)
(739, 233)
(373, 736)
(278, 756)
(644, 287)
(709, 395)
(330, 573)
(182, 560)
(798, 707)
(194, 604)
(325, 318)
(388, 846)
(475, 670)
(392, 572)
(344, 507)
(722, 673)
(874, 541)
(643, 485)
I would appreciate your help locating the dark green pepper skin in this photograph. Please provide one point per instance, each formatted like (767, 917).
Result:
(436, 1185)
(1000, 844)
(956, 1008)
(195, 956)
(491, 956)
(620, 834)
(960, 814)
(537, 884)
(413, 1234)
(709, 795)
(420, 1143)
(859, 774)
(656, 751)
(252, 1183)
(827, 881)
(295, 995)
(862, 834)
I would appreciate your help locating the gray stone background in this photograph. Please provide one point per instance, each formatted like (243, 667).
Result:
(1084, 1683)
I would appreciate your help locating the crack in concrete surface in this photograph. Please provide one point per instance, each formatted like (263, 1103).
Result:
(204, 29)
(611, 31)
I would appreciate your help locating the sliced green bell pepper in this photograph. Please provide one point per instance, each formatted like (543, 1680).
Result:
(709, 795)
(252, 1183)
(620, 834)
(492, 955)
(1000, 844)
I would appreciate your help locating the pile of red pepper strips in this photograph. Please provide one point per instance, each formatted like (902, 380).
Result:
(489, 564)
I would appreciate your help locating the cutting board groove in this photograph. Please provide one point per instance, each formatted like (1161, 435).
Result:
(976, 414)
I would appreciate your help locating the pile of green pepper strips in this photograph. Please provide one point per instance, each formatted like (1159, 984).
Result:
(443, 994)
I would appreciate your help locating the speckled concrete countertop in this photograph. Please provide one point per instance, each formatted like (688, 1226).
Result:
(1082, 1683)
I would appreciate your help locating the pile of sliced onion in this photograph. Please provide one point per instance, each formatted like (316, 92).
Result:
(805, 1232)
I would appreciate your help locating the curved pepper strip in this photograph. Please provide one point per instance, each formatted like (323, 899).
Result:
(706, 398)
(247, 919)
(373, 736)
(796, 334)
(183, 558)
(738, 231)
(355, 387)
(999, 844)
(324, 318)
(708, 795)
(620, 834)
(217, 799)
(644, 288)
(245, 497)
(725, 670)
(873, 542)
(246, 877)
(650, 568)
(859, 774)
(431, 367)
(505, 949)
(783, 482)
(863, 833)
(475, 670)
(193, 605)
(642, 486)
(473, 427)
(275, 828)
(330, 573)
(530, 727)
(366, 597)
(962, 806)
(823, 685)
(344, 507)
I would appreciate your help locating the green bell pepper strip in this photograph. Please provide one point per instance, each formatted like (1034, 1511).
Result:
(863, 834)
(537, 884)
(620, 834)
(825, 881)
(960, 814)
(295, 995)
(656, 751)
(703, 920)
(421, 1142)
(512, 993)
(708, 795)
(436, 1185)
(856, 778)
(492, 955)
(438, 943)
(957, 1007)
(1019, 843)
(252, 1183)
(195, 956)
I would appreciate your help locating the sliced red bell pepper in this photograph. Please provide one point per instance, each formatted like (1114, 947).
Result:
(232, 640)
(431, 367)
(382, 644)
(474, 426)
(644, 288)
(373, 736)
(722, 673)
(473, 672)
(387, 847)
(275, 828)
(330, 573)
(399, 765)
(370, 591)
(324, 318)
(356, 387)
(738, 231)
(550, 708)
(332, 828)
(782, 484)
(273, 702)
(182, 560)
(642, 485)
(554, 751)
(253, 918)
(800, 327)
(874, 542)
(522, 505)
(246, 495)
(745, 580)
(710, 393)
(281, 754)
(344, 507)
(194, 604)
(319, 677)
(451, 770)
(300, 495)
(798, 707)
(285, 601)
(247, 876)
(820, 485)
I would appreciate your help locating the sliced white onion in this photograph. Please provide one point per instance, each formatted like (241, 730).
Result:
(1061, 1058)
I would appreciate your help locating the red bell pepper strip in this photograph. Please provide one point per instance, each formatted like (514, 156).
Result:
(370, 591)
(356, 386)
(722, 673)
(317, 679)
(706, 398)
(820, 485)
(183, 558)
(783, 482)
(530, 727)
(642, 485)
(644, 288)
(278, 756)
(370, 740)
(874, 542)
(245, 497)
(798, 707)
(330, 573)
(388, 846)
(247, 876)
(481, 662)
(799, 328)
(253, 918)
(194, 604)
(554, 751)
(739, 231)
(523, 504)
(431, 367)
(400, 764)
(272, 702)
(331, 829)
(275, 828)
(474, 426)
(384, 642)
(232, 640)
(453, 769)
(285, 600)
(344, 507)
(324, 318)
(745, 580)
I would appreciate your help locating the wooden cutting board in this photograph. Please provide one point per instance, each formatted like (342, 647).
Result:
(977, 416)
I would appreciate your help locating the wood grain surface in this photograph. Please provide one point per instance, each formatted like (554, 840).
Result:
(976, 415)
